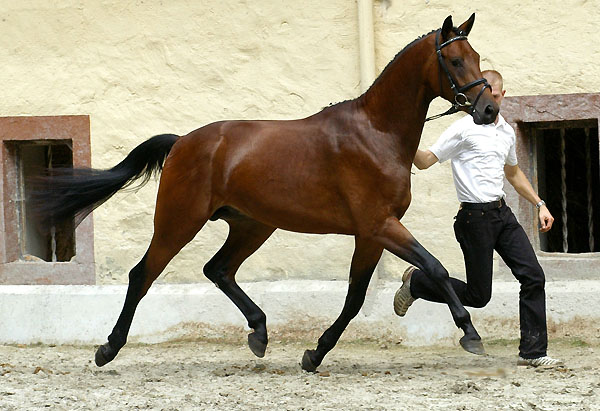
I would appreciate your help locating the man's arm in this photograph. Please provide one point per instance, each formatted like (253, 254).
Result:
(424, 159)
(517, 179)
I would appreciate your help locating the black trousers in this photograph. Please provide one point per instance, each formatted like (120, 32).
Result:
(479, 233)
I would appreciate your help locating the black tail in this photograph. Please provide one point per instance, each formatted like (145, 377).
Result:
(75, 192)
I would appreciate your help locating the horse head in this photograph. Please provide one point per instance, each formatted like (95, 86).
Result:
(459, 77)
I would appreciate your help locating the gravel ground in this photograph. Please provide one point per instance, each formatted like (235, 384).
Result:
(365, 375)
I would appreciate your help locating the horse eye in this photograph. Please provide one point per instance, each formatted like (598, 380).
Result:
(457, 62)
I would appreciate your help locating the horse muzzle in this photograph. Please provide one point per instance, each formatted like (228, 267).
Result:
(485, 113)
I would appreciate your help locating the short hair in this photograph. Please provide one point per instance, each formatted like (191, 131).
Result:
(493, 75)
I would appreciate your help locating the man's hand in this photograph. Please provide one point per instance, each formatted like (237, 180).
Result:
(517, 179)
(546, 219)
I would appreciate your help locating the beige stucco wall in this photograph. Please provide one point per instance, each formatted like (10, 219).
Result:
(144, 68)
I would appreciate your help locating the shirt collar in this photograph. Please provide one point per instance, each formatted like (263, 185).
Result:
(501, 121)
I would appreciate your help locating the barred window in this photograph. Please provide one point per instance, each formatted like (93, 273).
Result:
(30, 254)
(557, 149)
(568, 180)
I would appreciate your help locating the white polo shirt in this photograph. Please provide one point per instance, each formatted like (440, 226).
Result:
(478, 154)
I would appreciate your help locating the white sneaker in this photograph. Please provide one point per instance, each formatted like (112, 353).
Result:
(403, 299)
(544, 361)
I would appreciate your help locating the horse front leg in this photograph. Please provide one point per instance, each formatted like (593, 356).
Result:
(399, 241)
(365, 258)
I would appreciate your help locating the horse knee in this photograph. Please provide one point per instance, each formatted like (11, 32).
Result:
(438, 273)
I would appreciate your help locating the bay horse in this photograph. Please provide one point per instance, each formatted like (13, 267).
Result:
(343, 170)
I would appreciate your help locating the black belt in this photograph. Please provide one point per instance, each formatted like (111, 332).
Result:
(484, 206)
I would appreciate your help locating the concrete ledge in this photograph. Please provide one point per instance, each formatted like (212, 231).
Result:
(86, 314)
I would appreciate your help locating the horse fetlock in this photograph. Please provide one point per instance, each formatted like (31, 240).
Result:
(326, 342)
(462, 318)
(258, 322)
(117, 339)
(469, 329)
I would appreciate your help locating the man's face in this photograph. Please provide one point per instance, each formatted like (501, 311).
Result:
(497, 92)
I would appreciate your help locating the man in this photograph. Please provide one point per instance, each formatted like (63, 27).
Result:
(481, 156)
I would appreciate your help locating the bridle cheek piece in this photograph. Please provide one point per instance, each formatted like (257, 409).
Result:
(460, 98)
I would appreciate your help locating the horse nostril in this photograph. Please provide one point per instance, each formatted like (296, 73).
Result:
(489, 109)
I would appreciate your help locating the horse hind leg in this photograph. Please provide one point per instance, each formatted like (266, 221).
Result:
(245, 237)
(141, 277)
(171, 234)
(365, 258)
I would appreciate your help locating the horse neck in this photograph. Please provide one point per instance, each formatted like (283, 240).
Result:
(398, 100)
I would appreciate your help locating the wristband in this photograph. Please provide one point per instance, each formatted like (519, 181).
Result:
(541, 203)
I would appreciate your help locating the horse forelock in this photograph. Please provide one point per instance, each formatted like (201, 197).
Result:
(459, 32)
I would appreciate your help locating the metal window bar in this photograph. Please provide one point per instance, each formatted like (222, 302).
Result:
(563, 187)
(590, 205)
(19, 202)
(53, 228)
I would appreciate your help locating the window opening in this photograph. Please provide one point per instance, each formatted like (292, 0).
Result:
(568, 179)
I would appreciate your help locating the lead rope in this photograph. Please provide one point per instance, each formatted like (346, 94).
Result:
(451, 110)
(588, 161)
(563, 186)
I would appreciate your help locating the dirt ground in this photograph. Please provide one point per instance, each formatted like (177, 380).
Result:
(366, 375)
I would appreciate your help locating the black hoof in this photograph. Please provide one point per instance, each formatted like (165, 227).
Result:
(104, 355)
(474, 346)
(307, 362)
(257, 346)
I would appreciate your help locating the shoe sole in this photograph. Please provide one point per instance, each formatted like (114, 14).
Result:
(405, 277)
(543, 366)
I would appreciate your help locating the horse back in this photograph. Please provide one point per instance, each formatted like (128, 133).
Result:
(320, 174)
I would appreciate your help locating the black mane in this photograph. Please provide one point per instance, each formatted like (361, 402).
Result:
(403, 50)
(455, 29)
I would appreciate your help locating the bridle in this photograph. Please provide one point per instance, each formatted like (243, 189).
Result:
(460, 99)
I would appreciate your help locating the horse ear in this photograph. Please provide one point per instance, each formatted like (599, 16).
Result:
(468, 25)
(447, 28)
